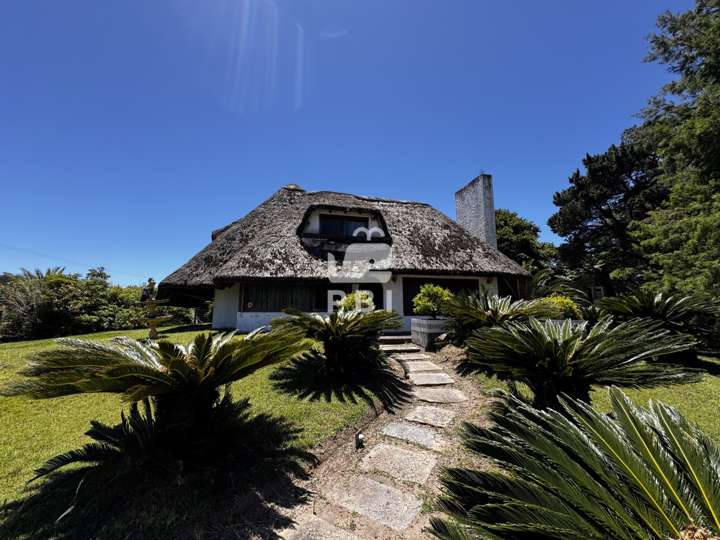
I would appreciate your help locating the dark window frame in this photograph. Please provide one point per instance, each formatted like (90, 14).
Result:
(348, 225)
(308, 296)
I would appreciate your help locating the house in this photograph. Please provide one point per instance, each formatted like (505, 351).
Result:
(307, 249)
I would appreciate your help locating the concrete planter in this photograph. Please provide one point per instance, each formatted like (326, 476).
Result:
(423, 332)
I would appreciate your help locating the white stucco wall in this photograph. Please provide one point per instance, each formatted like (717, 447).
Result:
(227, 301)
(225, 307)
(397, 292)
(395, 287)
(247, 321)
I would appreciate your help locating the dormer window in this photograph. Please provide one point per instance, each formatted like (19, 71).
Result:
(329, 230)
(342, 226)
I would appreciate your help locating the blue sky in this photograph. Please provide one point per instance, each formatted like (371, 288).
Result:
(129, 130)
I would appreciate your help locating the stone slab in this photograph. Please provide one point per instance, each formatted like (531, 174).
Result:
(400, 347)
(315, 528)
(440, 395)
(430, 378)
(401, 463)
(385, 504)
(420, 366)
(412, 357)
(414, 433)
(397, 338)
(434, 416)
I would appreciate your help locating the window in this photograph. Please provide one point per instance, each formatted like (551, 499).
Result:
(305, 296)
(278, 296)
(341, 226)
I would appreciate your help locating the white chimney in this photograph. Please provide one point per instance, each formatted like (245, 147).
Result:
(475, 209)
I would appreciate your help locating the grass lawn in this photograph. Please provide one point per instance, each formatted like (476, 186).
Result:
(699, 402)
(31, 431)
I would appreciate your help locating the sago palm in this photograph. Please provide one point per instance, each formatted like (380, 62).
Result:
(683, 314)
(545, 283)
(640, 474)
(467, 313)
(349, 338)
(183, 379)
(688, 314)
(553, 357)
(347, 362)
(105, 482)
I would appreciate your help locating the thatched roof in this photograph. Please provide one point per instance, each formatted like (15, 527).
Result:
(265, 243)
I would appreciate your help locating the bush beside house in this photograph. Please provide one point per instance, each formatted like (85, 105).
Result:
(429, 301)
(35, 305)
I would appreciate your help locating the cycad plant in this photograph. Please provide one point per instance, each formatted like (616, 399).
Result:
(545, 283)
(467, 313)
(137, 476)
(349, 339)
(689, 314)
(577, 473)
(190, 427)
(347, 362)
(553, 357)
(185, 381)
(591, 313)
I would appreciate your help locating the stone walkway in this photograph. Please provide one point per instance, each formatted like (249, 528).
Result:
(386, 490)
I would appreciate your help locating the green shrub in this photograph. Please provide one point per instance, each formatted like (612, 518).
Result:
(564, 306)
(577, 473)
(355, 298)
(431, 299)
(54, 303)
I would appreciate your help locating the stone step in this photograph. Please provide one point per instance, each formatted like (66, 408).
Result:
(414, 433)
(400, 463)
(387, 505)
(440, 395)
(400, 348)
(430, 378)
(420, 366)
(412, 357)
(314, 528)
(434, 416)
(395, 338)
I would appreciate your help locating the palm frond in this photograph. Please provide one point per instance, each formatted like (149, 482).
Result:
(137, 370)
(467, 313)
(91, 453)
(349, 338)
(690, 314)
(577, 473)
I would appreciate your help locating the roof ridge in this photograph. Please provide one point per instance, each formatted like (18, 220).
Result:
(367, 198)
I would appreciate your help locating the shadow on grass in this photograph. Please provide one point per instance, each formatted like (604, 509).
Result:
(709, 365)
(185, 328)
(249, 475)
(310, 378)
